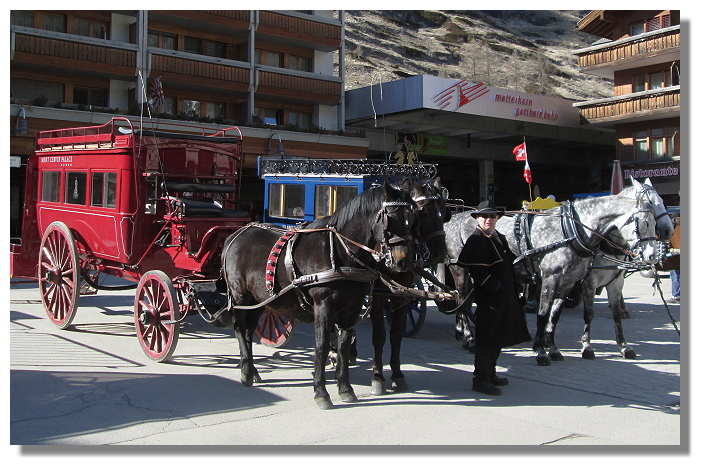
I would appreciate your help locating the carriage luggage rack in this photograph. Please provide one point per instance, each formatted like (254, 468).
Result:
(103, 136)
(322, 166)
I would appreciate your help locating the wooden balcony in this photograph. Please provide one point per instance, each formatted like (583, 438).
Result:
(313, 90)
(116, 60)
(645, 105)
(661, 46)
(316, 33)
(203, 72)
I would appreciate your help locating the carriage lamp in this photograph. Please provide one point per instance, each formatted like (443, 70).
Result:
(280, 147)
(21, 123)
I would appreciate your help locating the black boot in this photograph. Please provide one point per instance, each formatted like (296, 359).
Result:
(484, 386)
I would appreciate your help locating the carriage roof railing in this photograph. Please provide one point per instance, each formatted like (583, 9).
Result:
(300, 166)
(103, 136)
(118, 133)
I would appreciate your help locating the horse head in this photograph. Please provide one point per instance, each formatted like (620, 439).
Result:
(638, 232)
(647, 193)
(394, 228)
(432, 213)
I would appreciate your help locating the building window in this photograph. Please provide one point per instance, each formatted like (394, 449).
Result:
(169, 105)
(51, 186)
(657, 143)
(205, 47)
(299, 120)
(22, 18)
(214, 110)
(26, 90)
(641, 145)
(273, 117)
(639, 83)
(273, 59)
(52, 22)
(90, 96)
(300, 63)
(192, 108)
(103, 189)
(649, 25)
(162, 40)
(91, 29)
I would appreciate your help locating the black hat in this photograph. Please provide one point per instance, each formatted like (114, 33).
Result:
(486, 207)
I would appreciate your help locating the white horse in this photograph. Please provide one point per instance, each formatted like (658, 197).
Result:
(607, 274)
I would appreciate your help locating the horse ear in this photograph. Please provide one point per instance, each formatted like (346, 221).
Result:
(648, 182)
(634, 182)
(437, 182)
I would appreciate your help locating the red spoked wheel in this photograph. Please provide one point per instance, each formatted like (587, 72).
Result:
(59, 274)
(156, 309)
(273, 330)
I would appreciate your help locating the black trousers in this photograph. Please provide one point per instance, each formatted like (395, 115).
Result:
(485, 363)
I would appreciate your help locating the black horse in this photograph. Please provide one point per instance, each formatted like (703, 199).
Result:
(321, 273)
(432, 248)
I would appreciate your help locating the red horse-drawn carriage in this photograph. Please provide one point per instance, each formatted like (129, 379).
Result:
(148, 206)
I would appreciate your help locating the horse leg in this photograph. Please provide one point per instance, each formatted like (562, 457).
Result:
(345, 390)
(614, 294)
(322, 329)
(588, 294)
(539, 346)
(555, 315)
(396, 333)
(379, 336)
(245, 326)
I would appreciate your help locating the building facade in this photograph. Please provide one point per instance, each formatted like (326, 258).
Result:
(274, 74)
(640, 51)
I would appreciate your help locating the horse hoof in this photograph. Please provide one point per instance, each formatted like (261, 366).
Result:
(352, 360)
(247, 381)
(324, 403)
(588, 354)
(629, 354)
(348, 397)
(556, 356)
(543, 360)
(399, 385)
(378, 386)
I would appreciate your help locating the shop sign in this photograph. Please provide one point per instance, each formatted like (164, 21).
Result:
(652, 171)
(422, 144)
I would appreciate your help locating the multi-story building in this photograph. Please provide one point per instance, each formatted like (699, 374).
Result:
(640, 50)
(278, 75)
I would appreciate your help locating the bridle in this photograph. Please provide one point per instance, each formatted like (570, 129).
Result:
(390, 239)
(431, 195)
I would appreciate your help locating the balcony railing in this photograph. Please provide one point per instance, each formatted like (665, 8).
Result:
(663, 100)
(663, 40)
(318, 32)
(299, 86)
(53, 50)
(186, 67)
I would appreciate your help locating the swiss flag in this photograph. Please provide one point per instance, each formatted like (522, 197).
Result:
(527, 172)
(520, 152)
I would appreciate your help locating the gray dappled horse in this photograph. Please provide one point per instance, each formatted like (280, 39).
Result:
(555, 250)
(326, 270)
(605, 274)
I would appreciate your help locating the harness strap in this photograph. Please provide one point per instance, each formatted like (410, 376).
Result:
(570, 231)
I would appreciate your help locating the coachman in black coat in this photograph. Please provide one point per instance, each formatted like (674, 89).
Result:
(499, 319)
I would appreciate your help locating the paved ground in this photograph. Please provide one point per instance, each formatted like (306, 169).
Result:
(93, 385)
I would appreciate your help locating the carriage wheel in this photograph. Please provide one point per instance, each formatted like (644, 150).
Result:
(156, 307)
(273, 330)
(59, 274)
(415, 314)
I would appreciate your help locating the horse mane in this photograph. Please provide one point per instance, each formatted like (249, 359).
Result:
(367, 202)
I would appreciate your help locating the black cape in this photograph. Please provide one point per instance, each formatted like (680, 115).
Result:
(499, 319)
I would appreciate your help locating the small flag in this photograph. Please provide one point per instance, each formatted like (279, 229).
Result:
(520, 152)
(157, 92)
(527, 172)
